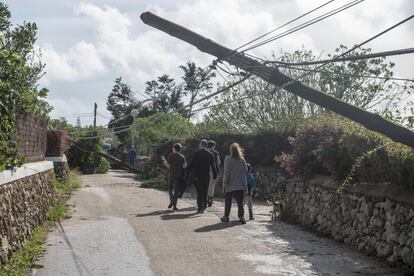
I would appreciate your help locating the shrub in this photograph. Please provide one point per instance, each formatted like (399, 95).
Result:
(84, 154)
(259, 148)
(332, 145)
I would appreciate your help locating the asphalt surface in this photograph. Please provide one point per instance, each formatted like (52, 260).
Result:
(118, 228)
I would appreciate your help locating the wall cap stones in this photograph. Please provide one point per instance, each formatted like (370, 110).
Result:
(24, 171)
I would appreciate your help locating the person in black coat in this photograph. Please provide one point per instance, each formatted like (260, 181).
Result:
(202, 163)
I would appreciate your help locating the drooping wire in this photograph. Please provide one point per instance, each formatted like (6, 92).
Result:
(306, 24)
(278, 28)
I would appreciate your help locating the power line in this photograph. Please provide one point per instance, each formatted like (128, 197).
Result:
(215, 93)
(320, 66)
(348, 74)
(350, 50)
(278, 28)
(349, 58)
(306, 24)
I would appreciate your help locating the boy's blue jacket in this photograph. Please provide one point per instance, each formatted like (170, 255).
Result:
(250, 180)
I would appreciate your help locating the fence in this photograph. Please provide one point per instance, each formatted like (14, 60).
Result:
(32, 137)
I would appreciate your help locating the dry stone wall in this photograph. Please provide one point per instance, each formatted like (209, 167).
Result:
(24, 204)
(376, 225)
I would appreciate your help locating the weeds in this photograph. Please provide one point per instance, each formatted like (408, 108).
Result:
(25, 257)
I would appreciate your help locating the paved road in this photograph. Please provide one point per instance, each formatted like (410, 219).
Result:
(118, 228)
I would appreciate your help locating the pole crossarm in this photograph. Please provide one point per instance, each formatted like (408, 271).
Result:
(368, 119)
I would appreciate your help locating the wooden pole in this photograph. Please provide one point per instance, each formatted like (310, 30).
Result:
(370, 120)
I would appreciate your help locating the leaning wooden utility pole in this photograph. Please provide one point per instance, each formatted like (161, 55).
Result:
(369, 120)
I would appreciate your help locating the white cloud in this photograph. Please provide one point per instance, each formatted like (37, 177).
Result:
(81, 62)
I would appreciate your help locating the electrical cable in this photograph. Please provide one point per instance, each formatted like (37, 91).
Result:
(306, 24)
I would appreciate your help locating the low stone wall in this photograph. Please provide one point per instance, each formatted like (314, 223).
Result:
(365, 217)
(24, 203)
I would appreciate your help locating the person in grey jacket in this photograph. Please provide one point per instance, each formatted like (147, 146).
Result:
(234, 181)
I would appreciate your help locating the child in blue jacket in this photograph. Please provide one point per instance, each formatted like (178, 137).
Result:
(250, 185)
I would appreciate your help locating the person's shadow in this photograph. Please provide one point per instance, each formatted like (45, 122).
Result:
(216, 227)
(163, 213)
(155, 213)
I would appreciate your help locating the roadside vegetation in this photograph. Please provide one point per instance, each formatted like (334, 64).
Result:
(25, 258)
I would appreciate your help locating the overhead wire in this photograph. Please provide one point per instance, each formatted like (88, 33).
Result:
(305, 24)
(320, 66)
(349, 58)
(278, 28)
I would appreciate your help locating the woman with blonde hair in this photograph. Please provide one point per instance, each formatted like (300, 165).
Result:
(234, 181)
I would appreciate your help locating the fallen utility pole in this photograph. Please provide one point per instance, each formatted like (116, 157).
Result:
(370, 120)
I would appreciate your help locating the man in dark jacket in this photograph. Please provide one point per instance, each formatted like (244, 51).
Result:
(212, 184)
(202, 163)
(175, 163)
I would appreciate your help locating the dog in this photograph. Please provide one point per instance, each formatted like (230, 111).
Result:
(277, 211)
(278, 206)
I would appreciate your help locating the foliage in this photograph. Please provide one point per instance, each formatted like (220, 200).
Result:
(83, 154)
(259, 148)
(20, 71)
(58, 212)
(197, 83)
(161, 127)
(255, 105)
(165, 96)
(158, 183)
(25, 257)
(65, 188)
(347, 151)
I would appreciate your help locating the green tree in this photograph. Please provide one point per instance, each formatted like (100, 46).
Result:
(162, 127)
(197, 83)
(164, 95)
(20, 71)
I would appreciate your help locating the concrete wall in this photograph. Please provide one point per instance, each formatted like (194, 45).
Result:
(376, 219)
(25, 197)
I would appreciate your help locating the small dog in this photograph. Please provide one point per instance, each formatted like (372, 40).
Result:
(277, 211)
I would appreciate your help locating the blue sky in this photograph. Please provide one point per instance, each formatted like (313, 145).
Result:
(87, 44)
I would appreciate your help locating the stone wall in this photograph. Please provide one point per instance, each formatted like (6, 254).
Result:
(371, 217)
(24, 204)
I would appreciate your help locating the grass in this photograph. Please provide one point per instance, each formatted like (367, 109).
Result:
(65, 188)
(58, 212)
(25, 258)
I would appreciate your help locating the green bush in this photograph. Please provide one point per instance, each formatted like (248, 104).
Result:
(84, 154)
(259, 148)
(343, 149)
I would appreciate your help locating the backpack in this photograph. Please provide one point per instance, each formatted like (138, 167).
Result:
(250, 180)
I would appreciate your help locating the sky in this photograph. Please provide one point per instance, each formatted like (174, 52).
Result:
(86, 45)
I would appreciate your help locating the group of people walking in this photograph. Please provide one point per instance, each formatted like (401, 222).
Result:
(203, 170)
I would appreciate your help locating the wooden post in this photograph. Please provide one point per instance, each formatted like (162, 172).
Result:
(370, 120)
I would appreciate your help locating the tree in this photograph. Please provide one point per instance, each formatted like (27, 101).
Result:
(197, 83)
(121, 100)
(257, 105)
(20, 71)
(164, 95)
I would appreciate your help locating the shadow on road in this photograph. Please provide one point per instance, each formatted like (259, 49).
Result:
(215, 227)
(163, 213)
(176, 216)
(155, 213)
(80, 266)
